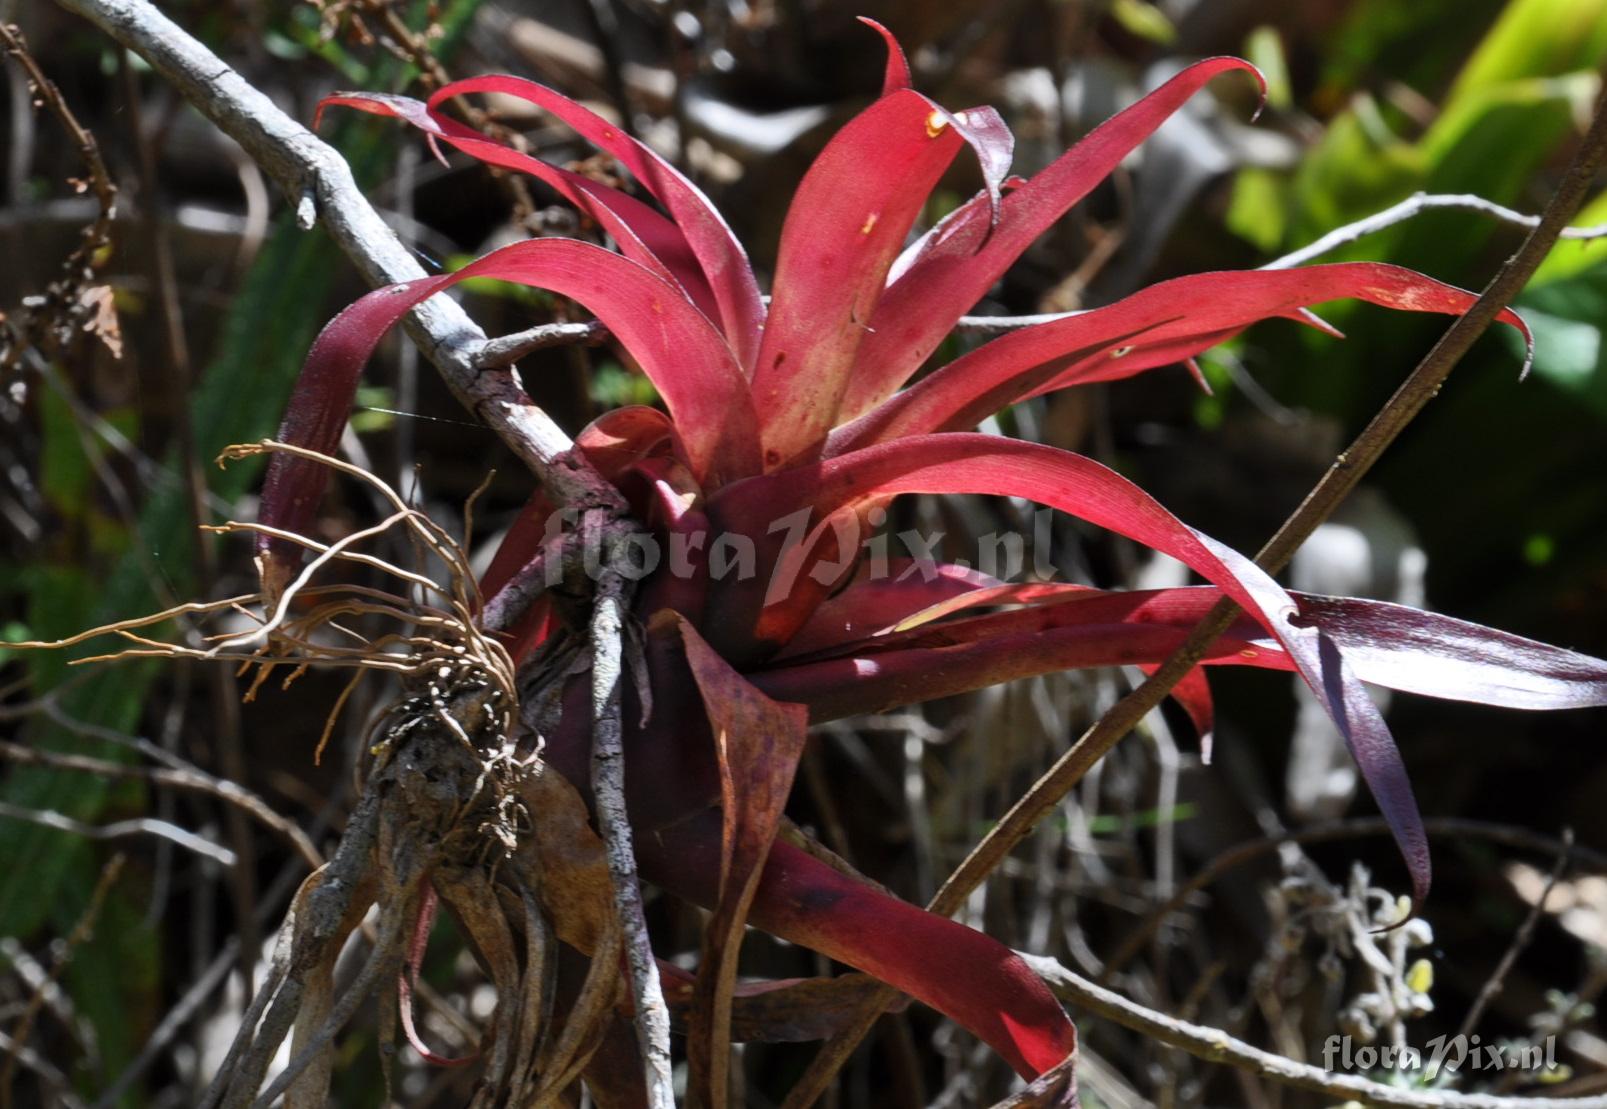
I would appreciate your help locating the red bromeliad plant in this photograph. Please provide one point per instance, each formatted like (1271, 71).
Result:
(786, 424)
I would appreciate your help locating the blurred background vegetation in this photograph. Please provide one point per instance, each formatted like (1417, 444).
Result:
(179, 326)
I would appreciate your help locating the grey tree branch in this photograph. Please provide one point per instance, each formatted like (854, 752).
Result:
(320, 185)
(187, 778)
(121, 829)
(1217, 1046)
(1410, 208)
(1413, 206)
(608, 789)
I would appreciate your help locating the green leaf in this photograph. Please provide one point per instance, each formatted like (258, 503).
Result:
(1258, 210)
(1534, 38)
(1144, 20)
(1263, 48)
(1575, 256)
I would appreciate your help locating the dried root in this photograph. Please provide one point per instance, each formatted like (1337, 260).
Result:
(447, 817)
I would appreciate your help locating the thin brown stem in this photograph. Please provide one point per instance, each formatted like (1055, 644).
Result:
(1520, 940)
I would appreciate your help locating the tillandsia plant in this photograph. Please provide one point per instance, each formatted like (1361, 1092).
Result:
(787, 427)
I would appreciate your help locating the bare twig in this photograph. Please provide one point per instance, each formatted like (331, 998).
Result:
(1520, 939)
(121, 829)
(1217, 1046)
(69, 305)
(505, 350)
(1509, 835)
(320, 184)
(189, 778)
(80, 933)
(608, 789)
(1348, 469)
(1413, 206)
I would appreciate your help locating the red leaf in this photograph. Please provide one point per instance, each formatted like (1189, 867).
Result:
(866, 607)
(678, 349)
(1392, 645)
(870, 679)
(643, 234)
(951, 268)
(721, 257)
(980, 464)
(1193, 695)
(1070, 627)
(757, 744)
(846, 223)
(967, 976)
(622, 437)
(1161, 324)
(898, 67)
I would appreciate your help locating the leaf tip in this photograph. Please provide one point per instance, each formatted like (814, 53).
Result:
(897, 75)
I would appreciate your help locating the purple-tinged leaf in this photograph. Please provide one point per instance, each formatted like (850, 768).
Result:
(991, 139)
(980, 464)
(723, 261)
(757, 744)
(954, 269)
(1423, 652)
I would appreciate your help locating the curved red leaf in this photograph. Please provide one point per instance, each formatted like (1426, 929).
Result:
(678, 349)
(869, 679)
(757, 743)
(429, 905)
(721, 257)
(898, 67)
(954, 266)
(643, 234)
(962, 973)
(1158, 325)
(980, 464)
